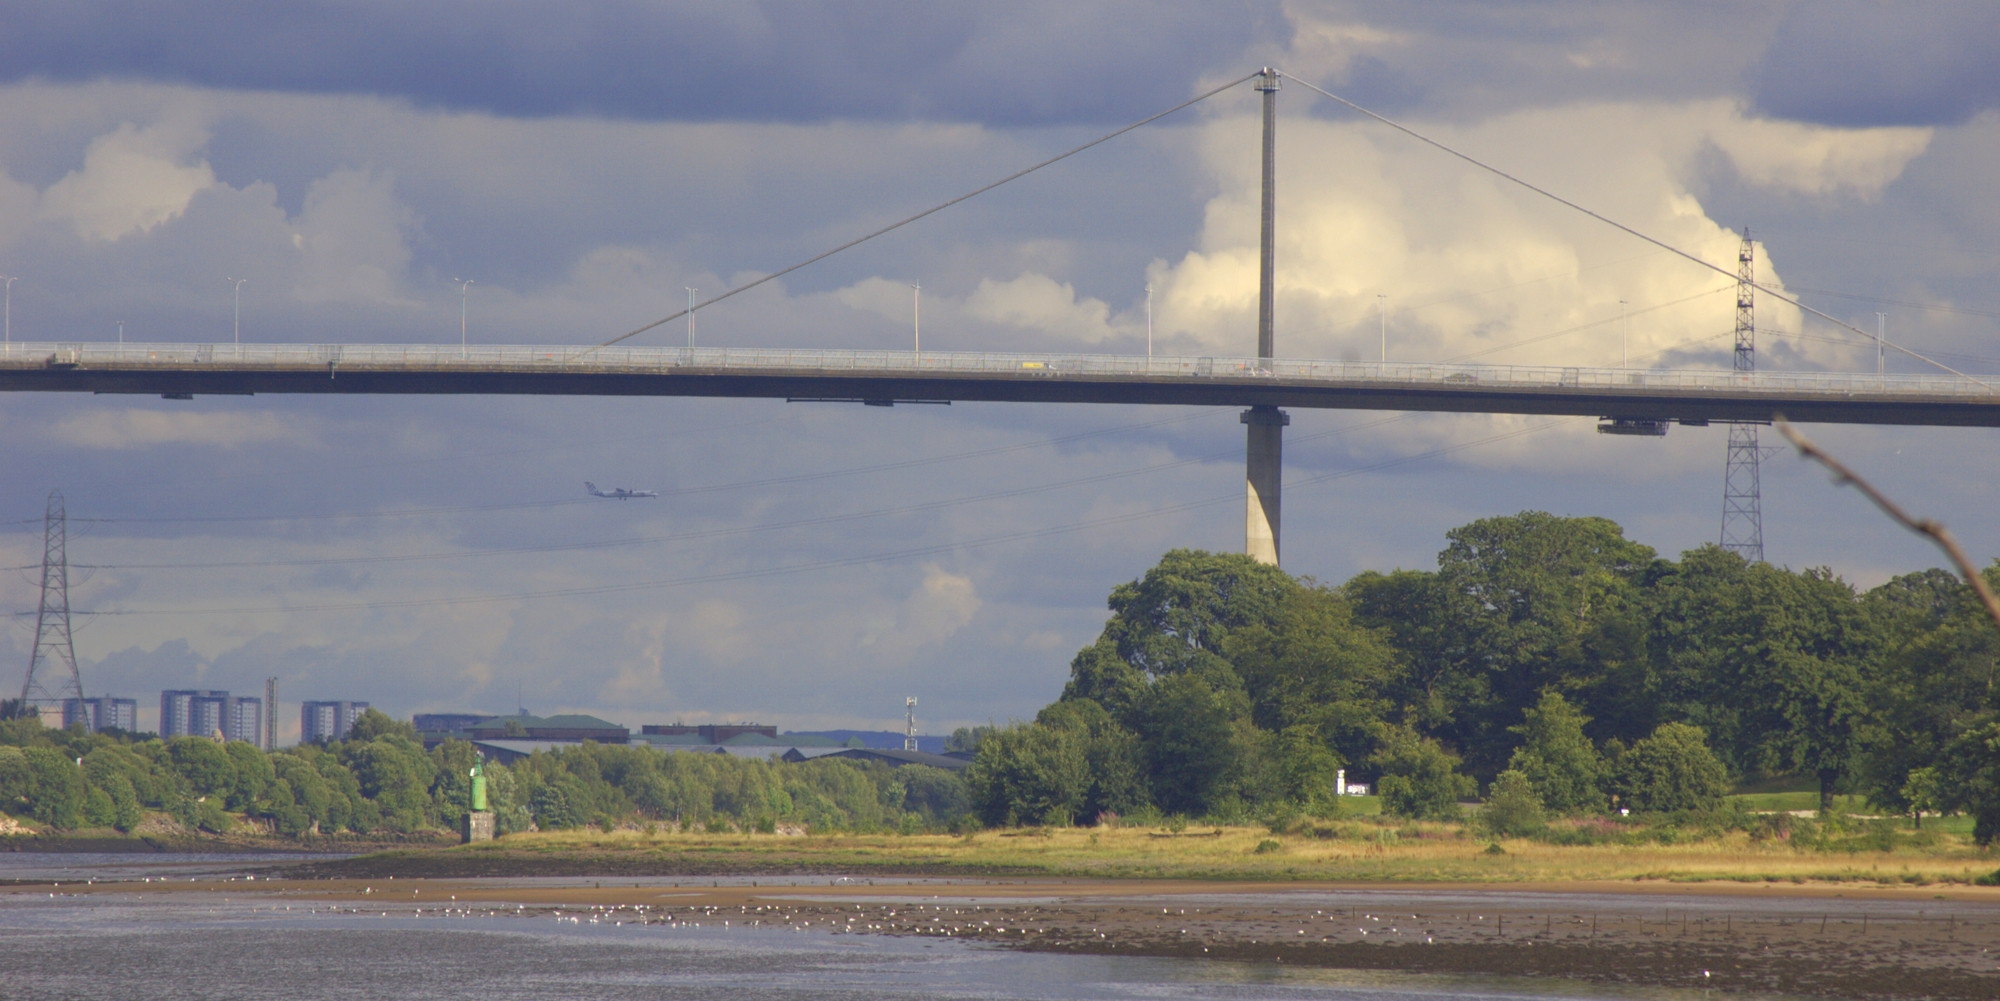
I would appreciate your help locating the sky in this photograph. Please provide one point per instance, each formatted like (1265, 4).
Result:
(811, 565)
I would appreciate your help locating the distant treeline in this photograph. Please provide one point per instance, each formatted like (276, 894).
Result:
(381, 780)
(1549, 661)
(1550, 664)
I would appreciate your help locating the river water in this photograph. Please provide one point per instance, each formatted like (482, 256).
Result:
(57, 944)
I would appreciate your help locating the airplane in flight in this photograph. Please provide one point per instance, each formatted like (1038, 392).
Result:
(618, 493)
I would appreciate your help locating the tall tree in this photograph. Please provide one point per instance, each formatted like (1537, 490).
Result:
(1195, 751)
(1029, 774)
(1113, 757)
(1313, 665)
(1558, 760)
(1527, 594)
(1932, 679)
(1179, 614)
(1968, 776)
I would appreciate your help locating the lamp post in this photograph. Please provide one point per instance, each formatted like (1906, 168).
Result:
(1881, 323)
(916, 318)
(1149, 319)
(238, 326)
(690, 293)
(1382, 298)
(464, 287)
(10, 311)
(1625, 339)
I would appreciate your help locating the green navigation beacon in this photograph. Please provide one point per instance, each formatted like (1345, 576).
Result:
(478, 785)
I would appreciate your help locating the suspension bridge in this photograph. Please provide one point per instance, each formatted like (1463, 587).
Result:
(1627, 401)
(886, 378)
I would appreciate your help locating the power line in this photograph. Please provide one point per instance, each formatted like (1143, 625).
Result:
(712, 533)
(1586, 326)
(843, 562)
(1925, 306)
(672, 492)
(1621, 227)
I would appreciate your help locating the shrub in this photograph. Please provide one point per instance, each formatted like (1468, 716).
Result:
(1557, 759)
(1512, 808)
(1418, 779)
(1028, 774)
(1672, 769)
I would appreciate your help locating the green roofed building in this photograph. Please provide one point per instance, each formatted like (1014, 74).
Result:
(569, 728)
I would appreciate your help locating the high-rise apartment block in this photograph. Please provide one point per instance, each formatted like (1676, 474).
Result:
(102, 713)
(243, 719)
(328, 720)
(206, 713)
(178, 716)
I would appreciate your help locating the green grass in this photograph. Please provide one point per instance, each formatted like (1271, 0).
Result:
(1352, 849)
(1360, 806)
(1764, 802)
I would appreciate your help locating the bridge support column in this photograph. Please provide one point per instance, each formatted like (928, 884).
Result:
(1263, 478)
(1263, 466)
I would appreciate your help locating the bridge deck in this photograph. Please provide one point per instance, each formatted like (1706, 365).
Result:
(1690, 396)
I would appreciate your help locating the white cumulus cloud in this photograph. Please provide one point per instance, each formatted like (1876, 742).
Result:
(132, 180)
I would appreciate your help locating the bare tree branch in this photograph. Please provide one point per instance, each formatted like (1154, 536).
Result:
(1843, 476)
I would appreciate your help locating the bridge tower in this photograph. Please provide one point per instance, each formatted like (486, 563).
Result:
(52, 635)
(1742, 489)
(1263, 466)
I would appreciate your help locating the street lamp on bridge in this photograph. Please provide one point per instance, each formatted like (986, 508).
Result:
(237, 328)
(464, 284)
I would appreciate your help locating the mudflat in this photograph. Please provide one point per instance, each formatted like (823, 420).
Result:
(1826, 940)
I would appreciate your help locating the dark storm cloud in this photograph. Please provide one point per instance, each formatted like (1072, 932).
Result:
(1038, 63)
(1859, 64)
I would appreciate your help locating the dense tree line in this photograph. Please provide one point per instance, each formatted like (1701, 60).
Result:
(1547, 658)
(1549, 664)
(381, 780)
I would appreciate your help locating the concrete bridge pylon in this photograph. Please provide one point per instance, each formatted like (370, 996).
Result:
(1263, 461)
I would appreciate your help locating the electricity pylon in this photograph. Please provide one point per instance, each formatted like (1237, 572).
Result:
(54, 648)
(1742, 486)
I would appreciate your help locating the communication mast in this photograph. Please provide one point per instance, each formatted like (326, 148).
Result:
(54, 648)
(910, 723)
(1742, 490)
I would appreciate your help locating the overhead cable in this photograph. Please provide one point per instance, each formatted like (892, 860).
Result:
(1621, 227)
(672, 492)
(933, 210)
(712, 533)
(852, 561)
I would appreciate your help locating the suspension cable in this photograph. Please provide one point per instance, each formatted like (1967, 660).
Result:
(1615, 224)
(1107, 137)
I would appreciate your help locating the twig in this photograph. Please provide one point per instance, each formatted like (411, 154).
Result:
(1843, 476)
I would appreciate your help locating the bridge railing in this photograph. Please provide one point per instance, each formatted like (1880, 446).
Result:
(950, 364)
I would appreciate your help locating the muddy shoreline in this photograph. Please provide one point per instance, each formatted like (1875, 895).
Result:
(1831, 942)
(192, 844)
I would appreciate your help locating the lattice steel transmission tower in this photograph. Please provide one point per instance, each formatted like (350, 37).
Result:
(54, 648)
(1742, 488)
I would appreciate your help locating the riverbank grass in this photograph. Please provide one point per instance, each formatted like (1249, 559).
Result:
(1358, 852)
